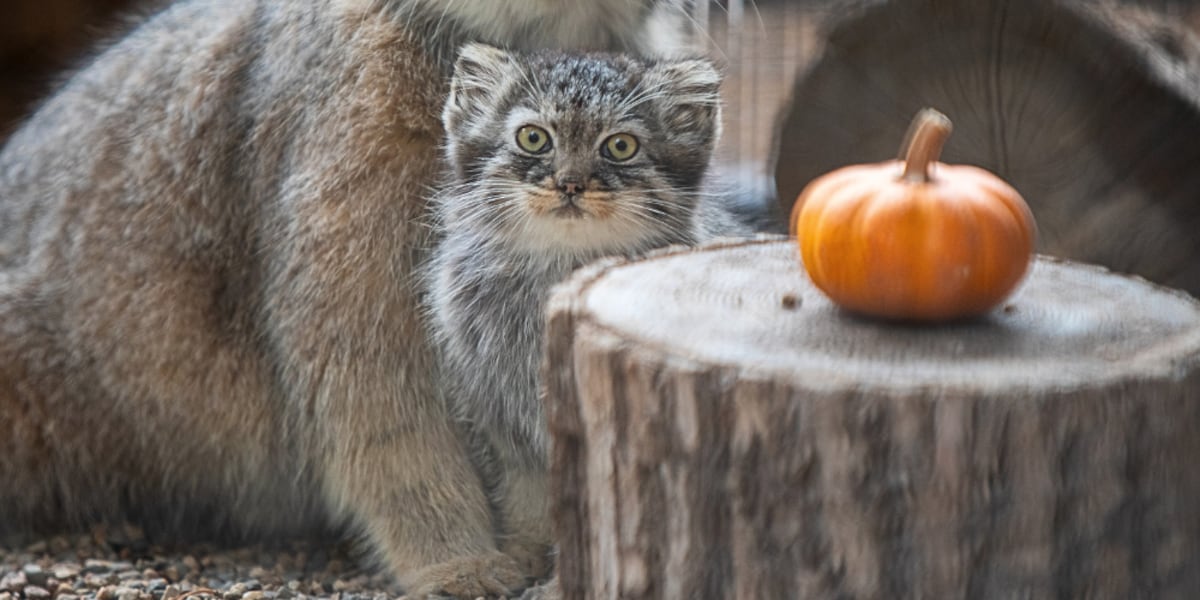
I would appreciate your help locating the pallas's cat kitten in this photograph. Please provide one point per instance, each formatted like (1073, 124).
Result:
(557, 160)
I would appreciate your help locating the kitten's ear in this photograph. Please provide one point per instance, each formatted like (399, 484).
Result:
(691, 104)
(478, 73)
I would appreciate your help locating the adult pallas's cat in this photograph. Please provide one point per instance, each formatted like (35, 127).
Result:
(209, 315)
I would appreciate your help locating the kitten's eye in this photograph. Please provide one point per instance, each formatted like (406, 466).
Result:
(532, 138)
(620, 147)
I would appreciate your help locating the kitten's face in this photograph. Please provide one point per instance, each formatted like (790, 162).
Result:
(579, 154)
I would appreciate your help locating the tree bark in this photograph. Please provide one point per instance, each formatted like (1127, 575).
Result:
(721, 430)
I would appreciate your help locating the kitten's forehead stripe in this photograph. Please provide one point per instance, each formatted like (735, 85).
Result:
(586, 81)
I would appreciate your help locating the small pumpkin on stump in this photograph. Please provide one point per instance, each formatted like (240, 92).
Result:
(914, 239)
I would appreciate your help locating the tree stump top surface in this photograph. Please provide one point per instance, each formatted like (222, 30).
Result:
(750, 306)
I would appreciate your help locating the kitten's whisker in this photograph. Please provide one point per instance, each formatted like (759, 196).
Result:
(640, 98)
(696, 99)
(703, 29)
(636, 96)
(681, 219)
(492, 208)
(762, 26)
(437, 30)
(640, 214)
(533, 84)
(494, 214)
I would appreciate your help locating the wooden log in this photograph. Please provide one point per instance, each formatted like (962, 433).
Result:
(721, 430)
(1090, 109)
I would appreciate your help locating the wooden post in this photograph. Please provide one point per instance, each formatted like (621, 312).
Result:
(721, 430)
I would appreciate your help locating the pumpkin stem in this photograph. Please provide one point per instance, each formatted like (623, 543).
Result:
(925, 139)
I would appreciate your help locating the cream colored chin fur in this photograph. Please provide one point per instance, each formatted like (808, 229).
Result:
(570, 24)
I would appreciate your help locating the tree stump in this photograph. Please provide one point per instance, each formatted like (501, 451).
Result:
(1090, 109)
(721, 430)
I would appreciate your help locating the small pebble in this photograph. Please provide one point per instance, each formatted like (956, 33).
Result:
(35, 575)
(172, 591)
(65, 571)
(95, 580)
(102, 579)
(96, 566)
(33, 592)
(13, 582)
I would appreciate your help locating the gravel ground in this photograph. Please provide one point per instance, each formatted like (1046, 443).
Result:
(122, 565)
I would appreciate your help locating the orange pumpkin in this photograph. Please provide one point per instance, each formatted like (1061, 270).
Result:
(914, 239)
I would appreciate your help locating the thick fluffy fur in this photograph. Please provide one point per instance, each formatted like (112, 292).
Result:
(644, 27)
(516, 221)
(209, 240)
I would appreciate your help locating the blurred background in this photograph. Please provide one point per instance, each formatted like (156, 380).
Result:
(40, 39)
(762, 43)
(766, 43)
(1091, 108)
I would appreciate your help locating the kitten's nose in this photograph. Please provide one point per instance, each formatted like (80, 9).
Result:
(569, 187)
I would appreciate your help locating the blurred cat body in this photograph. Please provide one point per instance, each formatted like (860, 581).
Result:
(209, 240)
(557, 161)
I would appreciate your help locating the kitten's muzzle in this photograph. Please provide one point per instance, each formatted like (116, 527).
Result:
(568, 202)
(570, 191)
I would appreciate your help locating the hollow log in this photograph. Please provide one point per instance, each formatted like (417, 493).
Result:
(721, 430)
(1090, 109)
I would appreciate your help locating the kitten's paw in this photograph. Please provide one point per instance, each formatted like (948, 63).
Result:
(535, 558)
(490, 575)
(547, 591)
